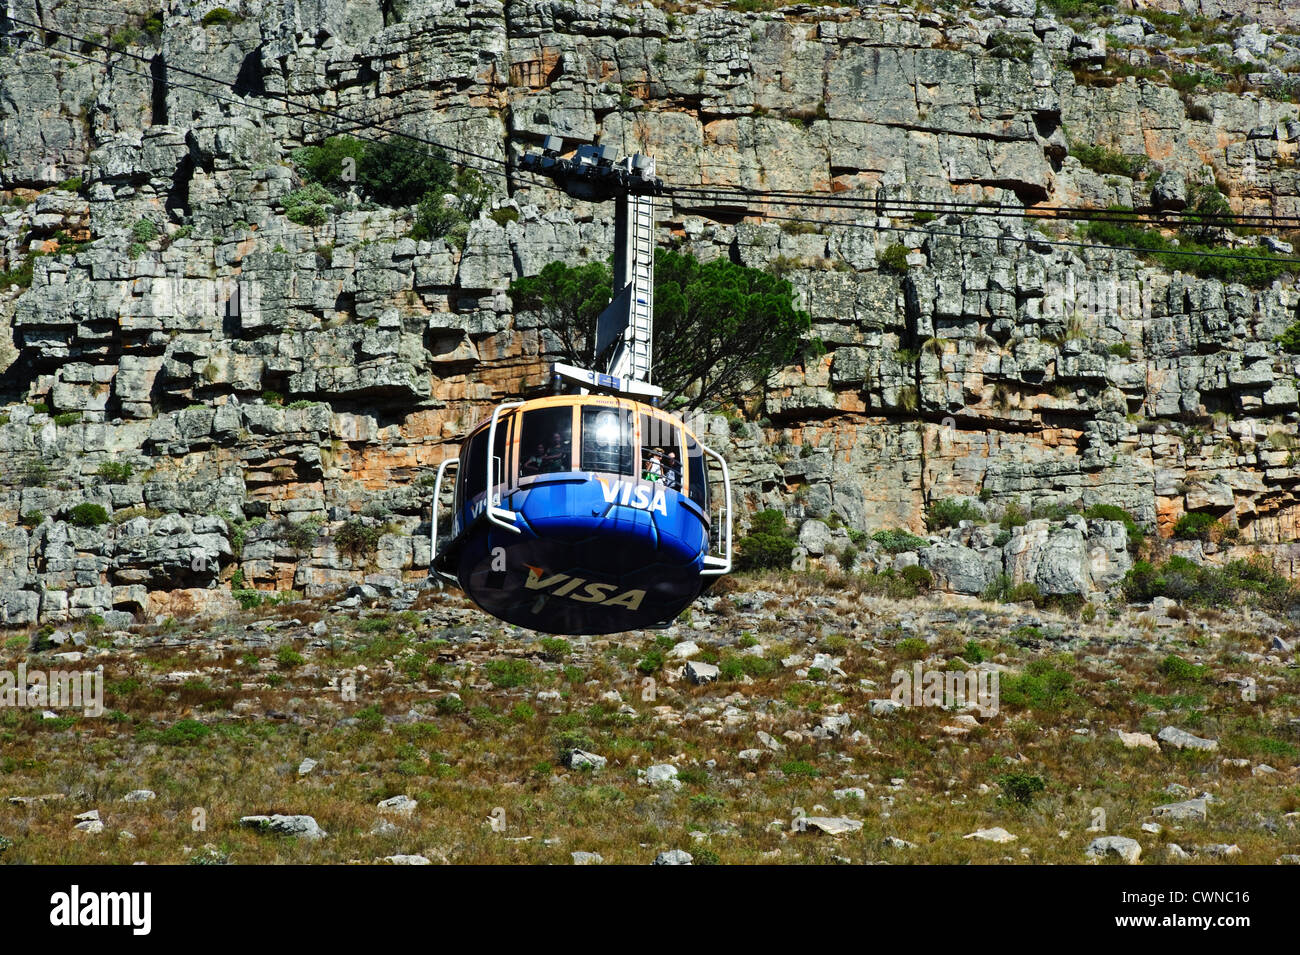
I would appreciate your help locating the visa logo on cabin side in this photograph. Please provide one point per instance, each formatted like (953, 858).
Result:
(639, 496)
(565, 586)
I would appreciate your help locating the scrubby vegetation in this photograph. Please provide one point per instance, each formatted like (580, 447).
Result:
(397, 172)
(87, 514)
(1255, 267)
(893, 259)
(949, 512)
(897, 541)
(768, 543)
(1251, 581)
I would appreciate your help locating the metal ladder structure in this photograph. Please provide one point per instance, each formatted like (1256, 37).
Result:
(625, 329)
(633, 360)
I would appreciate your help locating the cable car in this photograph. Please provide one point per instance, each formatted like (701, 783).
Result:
(589, 512)
(584, 514)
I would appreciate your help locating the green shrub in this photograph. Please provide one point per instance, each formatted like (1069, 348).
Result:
(300, 535)
(1194, 526)
(1182, 580)
(1021, 787)
(308, 205)
(125, 37)
(917, 577)
(950, 512)
(768, 543)
(334, 164)
(652, 661)
(555, 648)
(449, 704)
(505, 214)
(897, 541)
(1013, 516)
(436, 217)
(288, 658)
(67, 419)
(115, 472)
(144, 230)
(913, 648)
(181, 733)
(20, 274)
(1008, 46)
(358, 539)
(88, 515)
(400, 171)
(220, 16)
(1257, 267)
(1043, 687)
(893, 259)
(1289, 339)
(798, 767)
(1122, 349)
(1110, 512)
(32, 518)
(504, 674)
(737, 667)
(1178, 670)
(1074, 8)
(1108, 162)
(1022, 592)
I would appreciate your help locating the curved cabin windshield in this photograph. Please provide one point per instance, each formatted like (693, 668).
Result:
(607, 439)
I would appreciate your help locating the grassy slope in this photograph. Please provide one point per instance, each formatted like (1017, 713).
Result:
(265, 711)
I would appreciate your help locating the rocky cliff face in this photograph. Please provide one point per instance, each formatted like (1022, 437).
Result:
(231, 386)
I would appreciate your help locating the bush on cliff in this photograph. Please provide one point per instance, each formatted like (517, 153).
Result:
(88, 515)
(950, 512)
(399, 171)
(768, 543)
(1110, 512)
(1255, 267)
(1240, 581)
(897, 541)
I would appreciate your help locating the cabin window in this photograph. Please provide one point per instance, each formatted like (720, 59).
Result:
(607, 439)
(501, 451)
(698, 474)
(661, 451)
(473, 469)
(546, 441)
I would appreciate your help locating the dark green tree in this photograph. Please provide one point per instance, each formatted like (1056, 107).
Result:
(334, 163)
(400, 171)
(567, 302)
(720, 328)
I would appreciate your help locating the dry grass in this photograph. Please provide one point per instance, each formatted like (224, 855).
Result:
(500, 750)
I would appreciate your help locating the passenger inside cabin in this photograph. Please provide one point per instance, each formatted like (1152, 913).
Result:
(535, 463)
(672, 471)
(653, 468)
(557, 455)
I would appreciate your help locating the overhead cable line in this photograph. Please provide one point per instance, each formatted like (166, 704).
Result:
(1044, 240)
